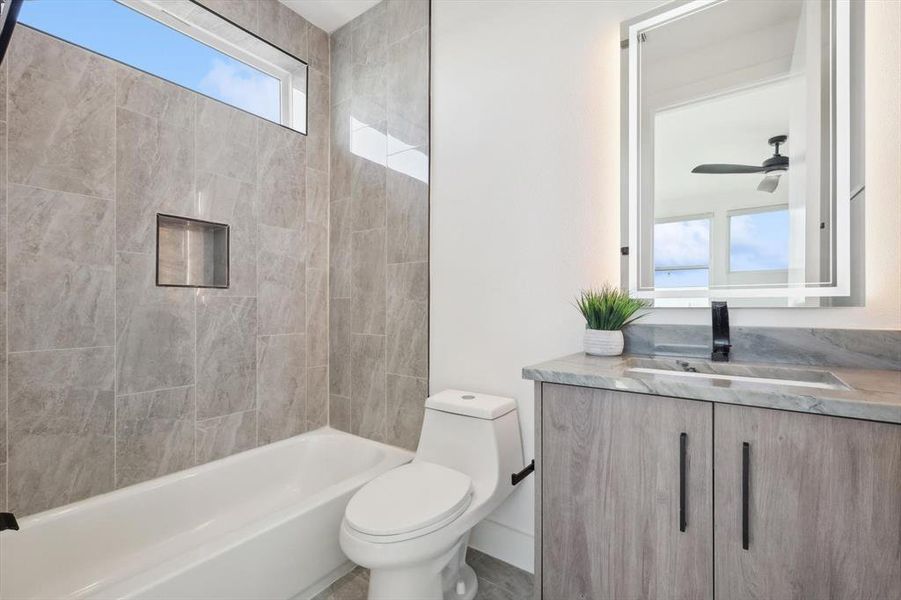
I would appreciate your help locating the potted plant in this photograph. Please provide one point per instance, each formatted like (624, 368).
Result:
(607, 311)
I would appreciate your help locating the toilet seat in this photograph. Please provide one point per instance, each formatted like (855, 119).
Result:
(408, 502)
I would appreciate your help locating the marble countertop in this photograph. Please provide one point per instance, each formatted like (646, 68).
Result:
(873, 395)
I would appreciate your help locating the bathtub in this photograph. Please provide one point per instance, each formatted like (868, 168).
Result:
(257, 525)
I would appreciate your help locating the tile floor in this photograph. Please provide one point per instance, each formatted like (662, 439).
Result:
(497, 581)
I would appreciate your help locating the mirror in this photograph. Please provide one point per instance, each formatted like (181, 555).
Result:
(737, 154)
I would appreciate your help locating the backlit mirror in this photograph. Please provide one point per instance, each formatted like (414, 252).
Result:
(737, 153)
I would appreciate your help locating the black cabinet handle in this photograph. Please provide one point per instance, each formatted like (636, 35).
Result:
(745, 494)
(683, 451)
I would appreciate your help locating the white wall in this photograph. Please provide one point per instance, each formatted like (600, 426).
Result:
(525, 198)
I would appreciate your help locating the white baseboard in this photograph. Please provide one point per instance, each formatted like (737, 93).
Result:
(504, 543)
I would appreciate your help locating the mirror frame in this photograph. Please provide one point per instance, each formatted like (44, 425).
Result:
(630, 168)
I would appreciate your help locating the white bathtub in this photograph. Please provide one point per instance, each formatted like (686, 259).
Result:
(257, 525)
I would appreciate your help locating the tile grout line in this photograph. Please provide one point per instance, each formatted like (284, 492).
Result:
(53, 191)
(115, 277)
(195, 120)
(4, 501)
(61, 349)
(154, 391)
(328, 239)
(385, 225)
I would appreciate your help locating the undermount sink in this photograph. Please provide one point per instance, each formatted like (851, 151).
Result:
(700, 369)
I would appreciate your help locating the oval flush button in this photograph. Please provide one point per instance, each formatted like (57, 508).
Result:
(468, 397)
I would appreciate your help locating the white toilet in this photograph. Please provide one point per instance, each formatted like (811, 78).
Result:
(410, 526)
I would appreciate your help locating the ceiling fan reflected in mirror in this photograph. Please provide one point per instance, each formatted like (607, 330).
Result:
(773, 167)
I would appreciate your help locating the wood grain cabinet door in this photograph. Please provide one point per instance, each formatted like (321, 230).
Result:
(610, 493)
(823, 506)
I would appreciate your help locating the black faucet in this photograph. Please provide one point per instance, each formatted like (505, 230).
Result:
(721, 343)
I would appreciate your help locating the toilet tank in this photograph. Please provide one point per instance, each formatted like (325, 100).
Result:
(474, 433)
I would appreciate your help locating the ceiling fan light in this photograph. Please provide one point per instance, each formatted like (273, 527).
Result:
(770, 182)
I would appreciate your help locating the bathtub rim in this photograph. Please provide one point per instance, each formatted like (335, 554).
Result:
(132, 581)
(55, 513)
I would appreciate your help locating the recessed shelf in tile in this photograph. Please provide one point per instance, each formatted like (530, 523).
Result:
(191, 253)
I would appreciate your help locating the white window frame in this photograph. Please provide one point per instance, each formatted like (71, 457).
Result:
(679, 219)
(158, 13)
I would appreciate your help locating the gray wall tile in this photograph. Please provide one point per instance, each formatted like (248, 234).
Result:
(341, 74)
(341, 159)
(154, 173)
(283, 27)
(405, 406)
(226, 355)
(316, 246)
(3, 89)
(61, 117)
(224, 200)
(317, 196)
(3, 370)
(340, 249)
(408, 319)
(317, 318)
(282, 176)
(367, 407)
(319, 49)
(3, 200)
(60, 427)
(222, 436)
(281, 281)
(368, 191)
(369, 103)
(282, 387)
(61, 270)
(317, 397)
(318, 128)
(3, 487)
(339, 413)
(405, 17)
(154, 434)
(379, 216)
(154, 329)
(370, 39)
(154, 98)
(226, 140)
(368, 282)
(339, 347)
(241, 12)
(408, 212)
(408, 90)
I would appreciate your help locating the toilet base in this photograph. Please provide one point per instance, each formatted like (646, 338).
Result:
(470, 586)
(440, 578)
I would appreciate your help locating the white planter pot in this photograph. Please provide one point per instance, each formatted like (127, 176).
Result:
(603, 343)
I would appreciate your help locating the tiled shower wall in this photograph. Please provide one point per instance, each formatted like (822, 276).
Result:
(379, 225)
(112, 380)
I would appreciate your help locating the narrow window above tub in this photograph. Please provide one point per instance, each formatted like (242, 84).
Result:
(183, 42)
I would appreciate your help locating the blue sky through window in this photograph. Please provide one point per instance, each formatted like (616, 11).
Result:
(111, 29)
(682, 253)
(759, 241)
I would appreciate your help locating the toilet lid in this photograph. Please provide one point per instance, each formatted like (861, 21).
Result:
(408, 498)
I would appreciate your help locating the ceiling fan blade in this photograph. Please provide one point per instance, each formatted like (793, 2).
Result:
(718, 169)
(769, 183)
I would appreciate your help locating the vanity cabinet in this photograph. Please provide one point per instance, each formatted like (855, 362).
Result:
(823, 506)
(613, 466)
(776, 504)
